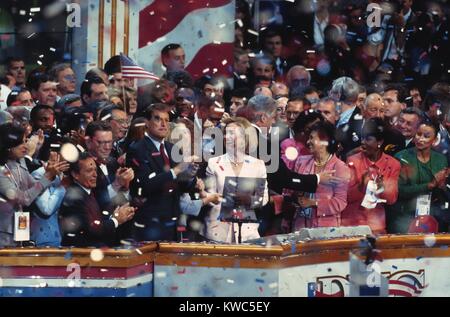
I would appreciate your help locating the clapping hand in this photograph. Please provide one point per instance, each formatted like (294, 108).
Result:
(55, 166)
(123, 178)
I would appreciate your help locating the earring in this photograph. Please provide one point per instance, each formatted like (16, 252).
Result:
(379, 145)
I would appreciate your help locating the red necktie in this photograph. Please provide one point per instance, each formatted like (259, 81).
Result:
(164, 155)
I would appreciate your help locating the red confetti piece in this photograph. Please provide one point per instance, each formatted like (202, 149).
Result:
(183, 271)
(135, 162)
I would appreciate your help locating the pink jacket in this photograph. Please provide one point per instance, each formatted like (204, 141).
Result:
(299, 146)
(355, 214)
(331, 199)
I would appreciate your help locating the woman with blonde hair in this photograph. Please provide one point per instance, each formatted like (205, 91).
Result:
(234, 163)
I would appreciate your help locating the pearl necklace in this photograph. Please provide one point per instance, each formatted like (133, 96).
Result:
(318, 164)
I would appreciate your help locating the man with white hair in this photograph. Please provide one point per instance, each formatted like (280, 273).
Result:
(297, 79)
(345, 92)
(262, 112)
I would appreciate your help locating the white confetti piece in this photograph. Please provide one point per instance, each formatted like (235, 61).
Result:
(151, 175)
(139, 191)
(160, 274)
(139, 252)
(52, 49)
(230, 281)
(29, 36)
(232, 183)
(22, 12)
(252, 32)
(106, 117)
(69, 152)
(291, 153)
(205, 70)
(36, 9)
(296, 180)
(105, 212)
(97, 255)
(139, 225)
(217, 42)
(273, 285)
(80, 148)
(240, 23)
(224, 62)
(140, 124)
(97, 222)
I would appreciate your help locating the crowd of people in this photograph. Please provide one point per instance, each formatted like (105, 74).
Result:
(337, 123)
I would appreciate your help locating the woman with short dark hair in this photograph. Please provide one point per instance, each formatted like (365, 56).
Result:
(18, 189)
(322, 208)
(374, 171)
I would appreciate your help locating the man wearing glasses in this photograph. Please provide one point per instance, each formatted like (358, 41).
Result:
(112, 181)
(119, 122)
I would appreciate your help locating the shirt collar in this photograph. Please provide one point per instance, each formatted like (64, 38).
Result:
(407, 15)
(345, 116)
(155, 142)
(87, 190)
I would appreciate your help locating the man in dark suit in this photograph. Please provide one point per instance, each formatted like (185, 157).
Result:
(373, 107)
(261, 110)
(82, 221)
(112, 181)
(159, 180)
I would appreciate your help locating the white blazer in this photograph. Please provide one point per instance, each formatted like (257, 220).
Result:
(218, 168)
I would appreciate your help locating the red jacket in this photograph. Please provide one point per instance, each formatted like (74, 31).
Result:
(354, 214)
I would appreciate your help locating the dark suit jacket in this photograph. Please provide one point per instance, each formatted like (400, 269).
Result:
(158, 189)
(282, 177)
(103, 181)
(348, 135)
(82, 222)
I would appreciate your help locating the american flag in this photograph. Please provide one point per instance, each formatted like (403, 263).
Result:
(141, 28)
(131, 70)
(204, 28)
(407, 284)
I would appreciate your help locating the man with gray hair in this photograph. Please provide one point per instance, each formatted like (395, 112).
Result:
(263, 109)
(65, 77)
(297, 79)
(345, 92)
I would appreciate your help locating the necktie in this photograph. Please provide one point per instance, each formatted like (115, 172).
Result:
(164, 155)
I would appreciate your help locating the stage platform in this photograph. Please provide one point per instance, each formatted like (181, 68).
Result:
(414, 265)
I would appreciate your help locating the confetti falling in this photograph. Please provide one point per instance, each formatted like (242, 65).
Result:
(97, 255)
(430, 240)
(291, 153)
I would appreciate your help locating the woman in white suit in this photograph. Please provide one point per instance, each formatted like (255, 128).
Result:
(234, 163)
